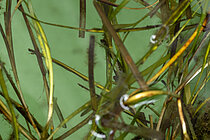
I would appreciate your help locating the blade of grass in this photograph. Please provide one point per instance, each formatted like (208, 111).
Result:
(168, 117)
(74, 129)
(201, 105)
(160, 35)
(48, 60)
(93, 30)
(10, 50)
(68, 118)
(134, 119)
(189, 123)
(8, 29)
(152, 9)
(148, 27)
(82, 76)
(118, 9)
(161, 115)
(150, 69)
(203, 66)
(141, 131)
(164, 10)
(140, 20)
(203, 17)
(6, 95)
(39, 59)
(188, 79)
(109, 103)
(20, 108)
(151, 121)
(58, 112)
(116, 5)
(91, 73)
(22, 111)
(37, 52)
(174, 134)
(62, 26)
(183, 48)
(193, 98)
(183, 26)
(202, 45)
(146, 94)
(82, 21)
(181, 116)
(19, 94)
(121, 47)
(187, 90)
(7, 114)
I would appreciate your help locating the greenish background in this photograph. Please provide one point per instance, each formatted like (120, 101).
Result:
(68, 48)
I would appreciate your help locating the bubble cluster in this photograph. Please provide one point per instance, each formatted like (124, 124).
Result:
(98, 135)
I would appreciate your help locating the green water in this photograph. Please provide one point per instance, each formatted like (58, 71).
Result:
(71, 50)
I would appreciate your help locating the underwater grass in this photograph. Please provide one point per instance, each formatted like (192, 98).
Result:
(119, 108)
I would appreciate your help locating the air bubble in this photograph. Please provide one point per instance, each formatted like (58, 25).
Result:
(90, 122)
(143, 103)
(98, 135)
(153, 39)
(97, 118)
(123, 99)
(111, 132)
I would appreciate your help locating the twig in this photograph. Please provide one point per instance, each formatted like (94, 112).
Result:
(91, 72)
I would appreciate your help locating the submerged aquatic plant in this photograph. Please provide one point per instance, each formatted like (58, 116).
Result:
(162, 90)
